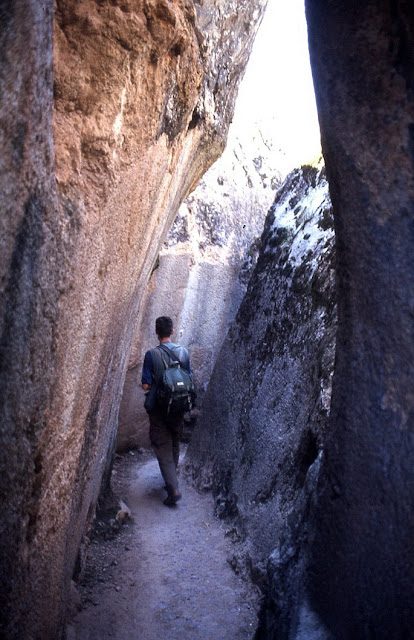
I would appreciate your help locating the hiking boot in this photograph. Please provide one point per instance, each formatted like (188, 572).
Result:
(172, 498)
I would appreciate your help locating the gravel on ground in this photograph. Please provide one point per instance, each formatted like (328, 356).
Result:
(166, 574)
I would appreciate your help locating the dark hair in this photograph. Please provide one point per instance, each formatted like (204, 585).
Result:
(164, 326)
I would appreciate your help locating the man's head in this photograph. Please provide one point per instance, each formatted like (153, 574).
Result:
(164, 327)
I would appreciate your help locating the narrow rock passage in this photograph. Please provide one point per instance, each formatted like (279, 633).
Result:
(166, 576)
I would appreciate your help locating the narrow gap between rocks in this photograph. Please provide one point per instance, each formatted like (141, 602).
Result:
(167, 572)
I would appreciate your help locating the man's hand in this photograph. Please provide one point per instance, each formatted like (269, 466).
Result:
(146, 386)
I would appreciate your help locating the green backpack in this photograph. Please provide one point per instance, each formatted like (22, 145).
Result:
(176, 392)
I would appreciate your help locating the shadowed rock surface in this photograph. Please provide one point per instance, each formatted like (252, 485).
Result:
(361, 561)
(100, 144)
(258, 441)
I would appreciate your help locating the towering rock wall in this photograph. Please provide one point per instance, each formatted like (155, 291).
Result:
(362, 564)
(92, 177)
(29, 284)
(257, 443)
(203, 267)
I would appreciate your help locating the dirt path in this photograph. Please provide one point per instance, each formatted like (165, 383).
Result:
(166, 575)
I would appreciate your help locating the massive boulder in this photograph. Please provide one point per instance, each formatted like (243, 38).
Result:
(361, 555)
(203, 267)
(110, 113)
(257, 443)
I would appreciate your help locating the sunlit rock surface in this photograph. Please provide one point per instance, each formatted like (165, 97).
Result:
(259, 439)
(203, 268)
(111, 111)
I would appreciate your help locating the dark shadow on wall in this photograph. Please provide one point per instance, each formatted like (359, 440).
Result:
(360, 563)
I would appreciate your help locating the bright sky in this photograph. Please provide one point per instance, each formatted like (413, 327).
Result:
(277, 90)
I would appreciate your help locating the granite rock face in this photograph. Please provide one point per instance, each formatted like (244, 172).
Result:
(259, 440)
(203, 268)
(361, 561)
(110, 113)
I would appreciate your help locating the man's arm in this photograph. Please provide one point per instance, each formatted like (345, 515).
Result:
(146, 379)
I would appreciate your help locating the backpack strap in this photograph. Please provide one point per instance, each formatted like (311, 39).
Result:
(170, 353)
(163, 360)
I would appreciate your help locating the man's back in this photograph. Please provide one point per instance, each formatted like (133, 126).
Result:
(166, 425)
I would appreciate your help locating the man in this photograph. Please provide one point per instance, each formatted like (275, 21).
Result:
(165, 429)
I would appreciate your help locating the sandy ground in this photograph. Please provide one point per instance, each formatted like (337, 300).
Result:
(165, 576)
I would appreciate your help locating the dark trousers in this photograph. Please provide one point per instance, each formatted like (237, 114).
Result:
(165, 433)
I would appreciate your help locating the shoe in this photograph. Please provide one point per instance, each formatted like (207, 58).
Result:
(171, 500)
